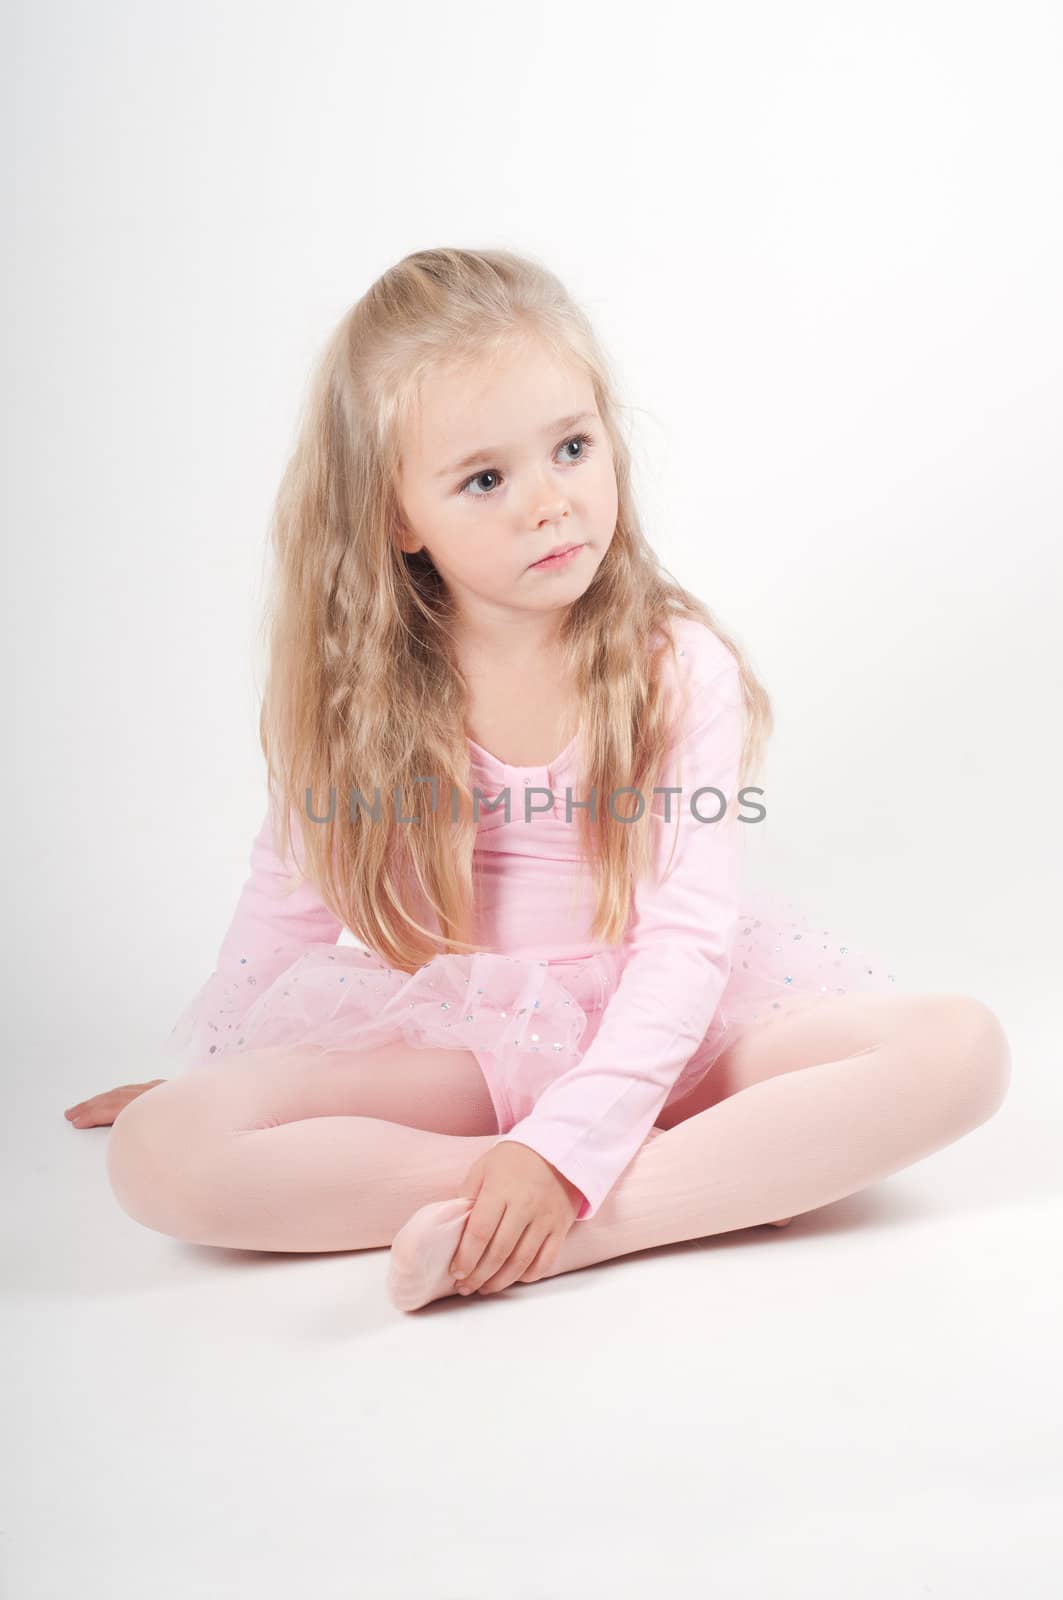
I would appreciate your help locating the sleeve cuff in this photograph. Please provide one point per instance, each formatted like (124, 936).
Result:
(566, 1164)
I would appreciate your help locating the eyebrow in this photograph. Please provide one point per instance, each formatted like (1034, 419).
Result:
(496, 450)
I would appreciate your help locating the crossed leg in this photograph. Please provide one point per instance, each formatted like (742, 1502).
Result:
(311, 1151)
(805, 1108)
(799, 1110)
(301, 1149)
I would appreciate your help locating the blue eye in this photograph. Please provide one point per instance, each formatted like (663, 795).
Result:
(586, 440)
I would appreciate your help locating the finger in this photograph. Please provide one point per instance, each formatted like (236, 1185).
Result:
(105, 1107)
(521, 1257)
(497, 1253)
(92, 1101)
(91, 1117)
(85, 1109)
(531, 1271)
(543, 1261)
(467, 1251)
(476, 1235)
(470, 1190)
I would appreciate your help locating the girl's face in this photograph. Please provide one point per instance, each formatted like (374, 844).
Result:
(502, 466)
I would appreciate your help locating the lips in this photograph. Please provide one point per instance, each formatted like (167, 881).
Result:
(562, 550)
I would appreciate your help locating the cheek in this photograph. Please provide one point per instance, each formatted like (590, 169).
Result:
(607, 501)
(482, 546)
(461, 537)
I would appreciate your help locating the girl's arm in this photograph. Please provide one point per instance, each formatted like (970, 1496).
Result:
(271, 926)
(590, 1122)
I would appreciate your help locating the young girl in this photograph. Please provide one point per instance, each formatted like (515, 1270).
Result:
(512, 755)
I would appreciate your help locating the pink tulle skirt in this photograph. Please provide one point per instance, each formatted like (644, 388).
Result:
(527, 1022)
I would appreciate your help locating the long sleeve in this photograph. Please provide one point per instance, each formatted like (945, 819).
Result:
(272, 923)
(590, 1122)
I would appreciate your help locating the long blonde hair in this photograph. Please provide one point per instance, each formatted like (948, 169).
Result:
(364, 691)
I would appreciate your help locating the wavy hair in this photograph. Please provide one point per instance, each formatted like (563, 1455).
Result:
(364, 692)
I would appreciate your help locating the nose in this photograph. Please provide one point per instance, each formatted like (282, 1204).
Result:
(548, 506)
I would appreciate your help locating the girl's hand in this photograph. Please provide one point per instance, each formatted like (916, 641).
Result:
(524, 1208)
(101, 1110)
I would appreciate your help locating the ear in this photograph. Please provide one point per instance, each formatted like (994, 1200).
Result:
(405, 539)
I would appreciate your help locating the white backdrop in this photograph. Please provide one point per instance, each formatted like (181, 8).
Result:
(823, 245)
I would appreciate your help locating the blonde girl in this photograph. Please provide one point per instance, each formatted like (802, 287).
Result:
(495, 994)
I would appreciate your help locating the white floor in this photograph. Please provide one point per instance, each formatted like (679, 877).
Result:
(866, 1404)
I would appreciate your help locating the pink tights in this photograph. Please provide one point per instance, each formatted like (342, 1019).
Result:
(294, 1150)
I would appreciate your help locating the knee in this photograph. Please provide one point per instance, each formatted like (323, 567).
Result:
(971, 1050)
(151, 1160)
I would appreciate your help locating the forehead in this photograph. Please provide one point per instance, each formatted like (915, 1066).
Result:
(494, 405)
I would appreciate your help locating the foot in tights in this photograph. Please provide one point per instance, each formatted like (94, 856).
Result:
(424, 1246)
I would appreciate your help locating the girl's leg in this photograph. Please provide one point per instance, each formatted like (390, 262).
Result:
(798, 1111)
(301, 1150)
(802, 1110)
(308, 1151)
